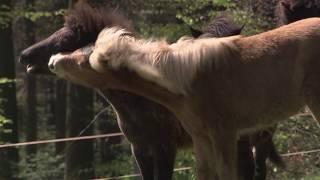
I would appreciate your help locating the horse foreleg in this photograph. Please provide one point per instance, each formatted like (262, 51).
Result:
(246, 164)
(144, 159)
(205, 160)
(265, 149)
(224, 145)
(164, 156)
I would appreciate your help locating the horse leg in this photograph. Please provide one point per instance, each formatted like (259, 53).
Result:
(246, 164)
(224, 145)
(144, 159)
(205, 159)
(265, 149)
(261, 168)
(164, 157)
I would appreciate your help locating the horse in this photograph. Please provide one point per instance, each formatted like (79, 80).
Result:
(288, 11)
(260, 142)
(81, 27)
(155, 149)
(218, 88)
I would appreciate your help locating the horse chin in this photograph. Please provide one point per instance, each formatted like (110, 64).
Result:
(36, 69)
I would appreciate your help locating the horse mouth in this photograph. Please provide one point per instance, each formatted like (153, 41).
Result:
(37, 69)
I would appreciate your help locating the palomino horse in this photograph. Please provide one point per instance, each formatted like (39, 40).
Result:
(260, 141)
(154, 133)
(217, 88)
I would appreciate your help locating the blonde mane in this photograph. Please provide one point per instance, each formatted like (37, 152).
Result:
(172, 66)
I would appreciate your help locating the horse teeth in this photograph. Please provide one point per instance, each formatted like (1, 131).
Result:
(31, 68)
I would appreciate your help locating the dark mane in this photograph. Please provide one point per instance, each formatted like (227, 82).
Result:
(223, 26)
(89, 21)
(220, 26)
(288, 11)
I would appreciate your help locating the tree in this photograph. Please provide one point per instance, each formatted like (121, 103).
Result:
(79, 155)
(8, 157)
(23, 37)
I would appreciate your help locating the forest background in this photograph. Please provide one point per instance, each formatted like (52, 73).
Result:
(44, 107)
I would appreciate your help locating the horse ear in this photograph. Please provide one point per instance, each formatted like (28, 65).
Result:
(286, 6)
(195, 32)
(237, 31)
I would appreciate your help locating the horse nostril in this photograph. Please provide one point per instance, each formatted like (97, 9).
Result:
(26, 57)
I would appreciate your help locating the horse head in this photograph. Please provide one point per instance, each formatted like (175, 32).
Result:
(76, 66)
(82, 26)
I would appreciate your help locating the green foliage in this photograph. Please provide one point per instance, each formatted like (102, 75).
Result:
(122, 164)
(34, 16)
(185, 158)
(6, 80)
(7, 14)
(171, 31)
(252, 23)
(299, 133)
(43, 165)
(4, 121)
(194, 13)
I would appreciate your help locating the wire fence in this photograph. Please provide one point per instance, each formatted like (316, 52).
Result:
(137, 175)
(79, 138)
(60, 140)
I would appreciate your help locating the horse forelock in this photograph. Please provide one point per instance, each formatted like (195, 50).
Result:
(173, 67)
(86, 19)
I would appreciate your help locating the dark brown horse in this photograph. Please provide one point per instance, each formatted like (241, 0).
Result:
(288, 11)
(81, 27)
(154, 133)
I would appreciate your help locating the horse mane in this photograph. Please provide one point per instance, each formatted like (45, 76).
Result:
(172, 66)
(89, 21)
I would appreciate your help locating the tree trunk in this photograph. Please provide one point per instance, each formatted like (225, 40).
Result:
(60, 109)
(79, 155)
(8, 105)
(24, 36)
(31, 116)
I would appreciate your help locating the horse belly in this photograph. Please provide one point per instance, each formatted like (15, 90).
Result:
(260, 117)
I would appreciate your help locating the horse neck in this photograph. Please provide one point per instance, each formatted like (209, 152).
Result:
(131, 82)
(151, 61)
